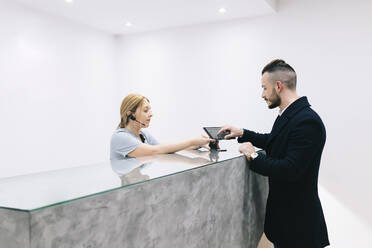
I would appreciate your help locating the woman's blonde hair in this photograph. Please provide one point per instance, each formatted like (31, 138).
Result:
(130, 103)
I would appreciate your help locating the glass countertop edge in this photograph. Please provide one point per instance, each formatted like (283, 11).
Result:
(113, 189)
(16, 209)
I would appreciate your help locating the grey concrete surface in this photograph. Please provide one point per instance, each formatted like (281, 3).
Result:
(14, 229)
(219, 205)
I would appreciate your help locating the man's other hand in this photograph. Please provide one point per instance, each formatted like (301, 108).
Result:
(247, 149)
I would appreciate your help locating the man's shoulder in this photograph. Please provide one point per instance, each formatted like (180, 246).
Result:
(307, 115)
(309, 112)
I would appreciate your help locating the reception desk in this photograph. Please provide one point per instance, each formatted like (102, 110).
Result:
(186, 199)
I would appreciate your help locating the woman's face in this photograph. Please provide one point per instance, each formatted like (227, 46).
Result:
(144, 114)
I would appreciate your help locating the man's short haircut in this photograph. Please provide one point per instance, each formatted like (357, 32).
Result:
(281, 71)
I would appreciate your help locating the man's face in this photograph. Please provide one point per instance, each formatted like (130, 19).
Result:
(269, 94)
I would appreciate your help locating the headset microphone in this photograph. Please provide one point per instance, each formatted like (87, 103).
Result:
(134, 119)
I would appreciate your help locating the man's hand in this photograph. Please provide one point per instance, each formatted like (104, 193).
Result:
(247, 149)
(234, 131)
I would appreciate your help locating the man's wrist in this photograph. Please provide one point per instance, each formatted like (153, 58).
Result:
(242, 133)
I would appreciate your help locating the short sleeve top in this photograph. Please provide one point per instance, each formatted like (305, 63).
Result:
(124, 141)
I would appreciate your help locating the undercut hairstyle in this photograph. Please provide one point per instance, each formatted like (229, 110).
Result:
(279, 70)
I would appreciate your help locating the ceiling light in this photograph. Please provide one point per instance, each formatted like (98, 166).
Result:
(69, 1)
(222, 10)
(128, 24)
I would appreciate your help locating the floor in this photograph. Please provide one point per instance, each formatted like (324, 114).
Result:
(264, 243)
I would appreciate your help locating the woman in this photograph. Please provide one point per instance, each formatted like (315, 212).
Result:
(129, 140)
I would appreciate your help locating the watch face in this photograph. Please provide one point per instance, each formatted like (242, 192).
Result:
(254, 155)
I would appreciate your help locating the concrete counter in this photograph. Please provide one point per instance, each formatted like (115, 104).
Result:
(188, 199)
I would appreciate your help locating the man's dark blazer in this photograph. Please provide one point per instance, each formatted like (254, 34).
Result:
(294, 215)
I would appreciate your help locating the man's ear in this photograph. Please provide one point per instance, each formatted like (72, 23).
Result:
(278, 85)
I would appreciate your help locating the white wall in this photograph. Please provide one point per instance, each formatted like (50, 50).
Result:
(210, 75)
(57, 90)
(59, 101)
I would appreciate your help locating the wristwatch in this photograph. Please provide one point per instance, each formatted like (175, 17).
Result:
(254, 155)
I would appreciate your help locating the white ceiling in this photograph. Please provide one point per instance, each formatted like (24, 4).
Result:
(146, 15)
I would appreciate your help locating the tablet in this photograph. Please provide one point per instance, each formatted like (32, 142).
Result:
(212, 133)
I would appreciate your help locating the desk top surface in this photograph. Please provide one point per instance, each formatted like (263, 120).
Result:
(36, 191)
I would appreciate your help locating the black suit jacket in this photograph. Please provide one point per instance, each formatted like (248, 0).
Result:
(294, 215)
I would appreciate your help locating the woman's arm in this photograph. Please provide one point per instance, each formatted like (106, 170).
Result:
(148, 150)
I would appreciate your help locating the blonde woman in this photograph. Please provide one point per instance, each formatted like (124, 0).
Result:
(129, 140)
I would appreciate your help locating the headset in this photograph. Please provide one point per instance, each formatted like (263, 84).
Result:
(131, 116)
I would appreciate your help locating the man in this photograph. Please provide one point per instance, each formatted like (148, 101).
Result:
(294, 215)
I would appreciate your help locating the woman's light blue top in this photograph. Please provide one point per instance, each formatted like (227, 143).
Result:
(124, 141)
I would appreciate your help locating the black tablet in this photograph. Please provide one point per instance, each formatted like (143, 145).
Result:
(212, 133)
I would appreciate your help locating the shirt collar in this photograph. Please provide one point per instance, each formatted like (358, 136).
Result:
(281, 112)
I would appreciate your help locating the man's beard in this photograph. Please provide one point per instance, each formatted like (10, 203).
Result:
(275, 100)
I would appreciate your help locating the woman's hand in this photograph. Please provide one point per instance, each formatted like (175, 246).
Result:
(201, 141)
